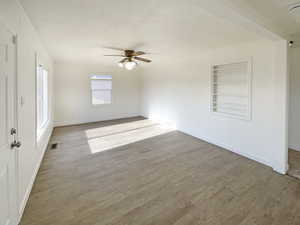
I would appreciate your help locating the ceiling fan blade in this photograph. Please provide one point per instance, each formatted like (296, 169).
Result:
(113, 48)
(115, 55)
(139, 53)
(123, 60)
(142, 59)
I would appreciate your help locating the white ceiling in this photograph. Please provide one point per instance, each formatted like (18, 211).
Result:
(272, 14)
(77, 30)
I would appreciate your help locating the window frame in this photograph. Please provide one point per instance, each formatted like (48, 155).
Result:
(91, 90)
(41, 128)
(249, 76)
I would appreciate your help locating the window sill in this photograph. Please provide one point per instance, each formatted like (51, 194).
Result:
(104, 104)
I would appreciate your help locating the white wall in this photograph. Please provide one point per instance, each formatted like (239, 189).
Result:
(178, 91)
(294, 115)
(73, 93)
(30, 154)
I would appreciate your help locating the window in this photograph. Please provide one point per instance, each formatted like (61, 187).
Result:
(101, 87)
(42, 99)
(231, 89)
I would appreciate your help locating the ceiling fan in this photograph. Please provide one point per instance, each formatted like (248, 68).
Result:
(130, 58)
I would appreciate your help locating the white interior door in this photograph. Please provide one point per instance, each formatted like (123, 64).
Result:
(8, 215)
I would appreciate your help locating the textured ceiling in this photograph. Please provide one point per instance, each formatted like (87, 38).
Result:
(272, 14)
(77, 30)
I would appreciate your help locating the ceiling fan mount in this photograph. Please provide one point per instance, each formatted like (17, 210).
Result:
(129, 53)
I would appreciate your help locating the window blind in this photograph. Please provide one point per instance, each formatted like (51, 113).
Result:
(101, 87)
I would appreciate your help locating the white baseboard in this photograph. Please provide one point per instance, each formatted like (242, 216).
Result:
(230, 148)
(275, 166)
(77, 122)
(35, 172)
(282, 170)
(293, 147)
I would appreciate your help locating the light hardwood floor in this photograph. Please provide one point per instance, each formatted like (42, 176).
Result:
(154, 176)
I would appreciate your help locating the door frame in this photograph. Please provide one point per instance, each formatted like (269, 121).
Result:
(14, 36)
(16, 125)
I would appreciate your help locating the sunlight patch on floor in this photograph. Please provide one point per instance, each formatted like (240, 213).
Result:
(105, 138)
(118, 128)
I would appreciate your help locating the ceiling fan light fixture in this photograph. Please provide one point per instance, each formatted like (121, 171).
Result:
(131, 58)
(130, 65)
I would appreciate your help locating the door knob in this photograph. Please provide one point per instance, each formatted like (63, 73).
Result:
(16, 144)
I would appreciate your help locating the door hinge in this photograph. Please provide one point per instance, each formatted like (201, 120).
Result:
(13, 131)
(14, 39)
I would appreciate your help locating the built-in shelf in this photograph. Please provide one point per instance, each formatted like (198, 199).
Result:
(231, 89)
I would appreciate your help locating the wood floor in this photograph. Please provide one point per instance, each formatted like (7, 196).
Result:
(158, 177)
(294, 163)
